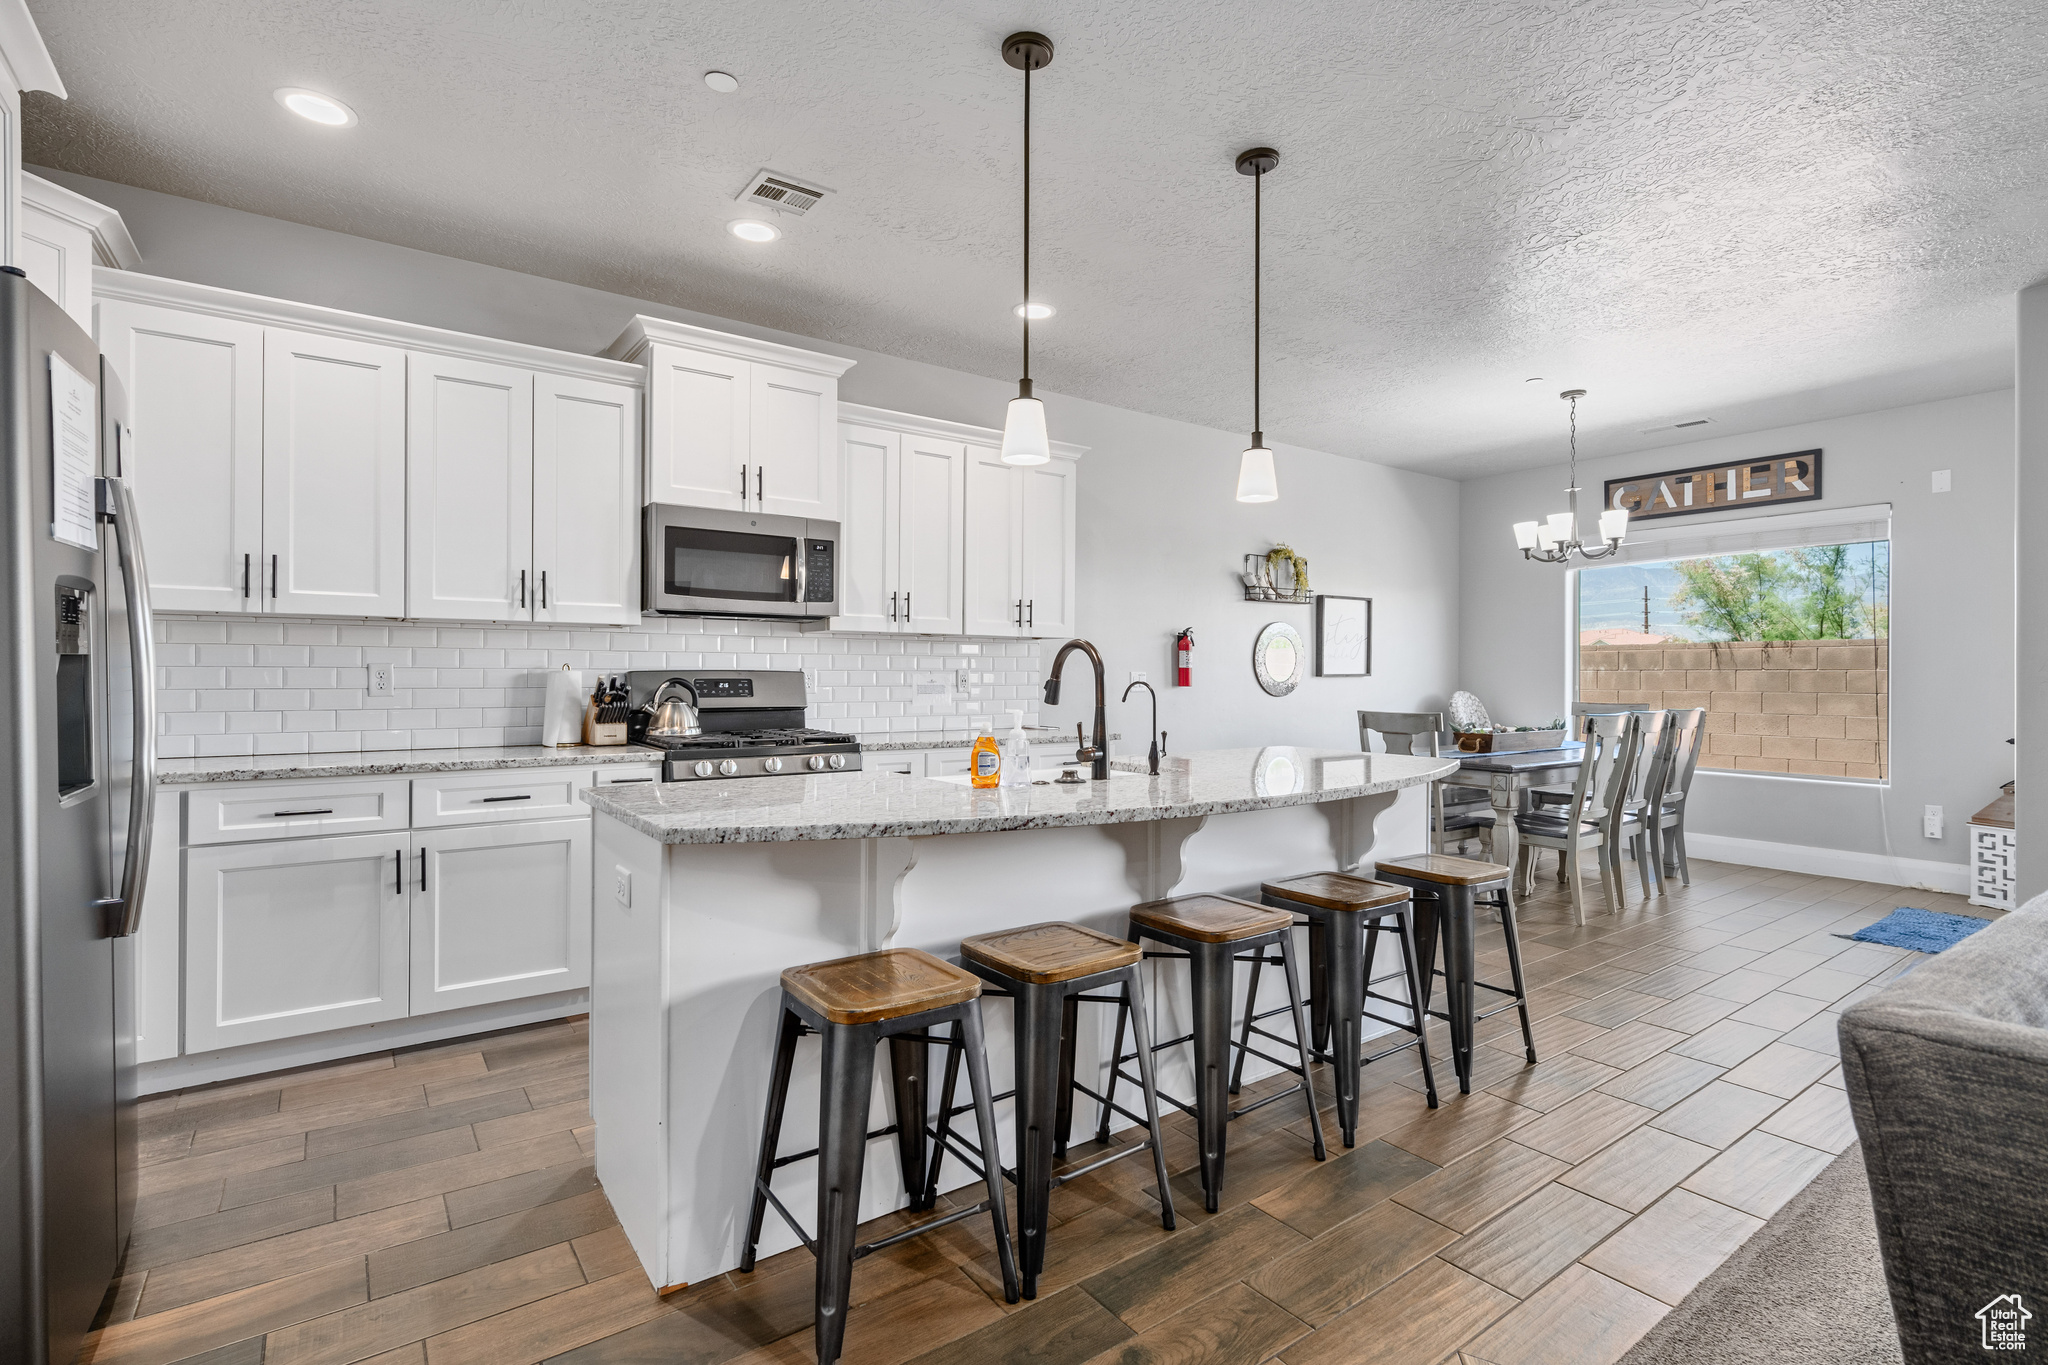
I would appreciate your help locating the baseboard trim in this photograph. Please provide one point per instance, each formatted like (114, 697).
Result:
(1922, 874)
(284, 1054)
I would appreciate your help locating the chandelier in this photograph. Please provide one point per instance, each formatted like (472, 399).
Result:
(1556, 540)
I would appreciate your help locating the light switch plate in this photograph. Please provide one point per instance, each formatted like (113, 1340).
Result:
(380, 680)
(622, 886)
(1941, 481)
(1138, 675)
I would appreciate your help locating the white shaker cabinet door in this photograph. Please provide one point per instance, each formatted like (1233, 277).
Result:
(870, 598)
(294, 937)
(795, 443)
(993, 603)
(1045, 520)
(699, 410)
(469, 490)
(500, 912)
(586, 501)
(195, 397)
(333, 476)
(930, 556)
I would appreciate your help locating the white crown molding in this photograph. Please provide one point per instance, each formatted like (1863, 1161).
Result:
(1921, 873)
(644, 331)
(111, 244)
(308, 317)
(940, 427)
(21, 47)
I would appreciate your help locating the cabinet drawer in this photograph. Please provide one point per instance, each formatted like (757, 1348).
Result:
(289, 810)
(494, 797)
(903, 764)
(628, 773)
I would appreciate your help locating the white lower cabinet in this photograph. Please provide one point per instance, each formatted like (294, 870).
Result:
(294, 937)
(500, 912)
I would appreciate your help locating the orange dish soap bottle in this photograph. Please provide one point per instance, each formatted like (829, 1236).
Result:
(985, 759)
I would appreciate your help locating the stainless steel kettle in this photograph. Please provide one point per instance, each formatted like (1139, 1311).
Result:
(674, 718)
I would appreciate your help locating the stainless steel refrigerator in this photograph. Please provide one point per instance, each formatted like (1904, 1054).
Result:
(76, 790)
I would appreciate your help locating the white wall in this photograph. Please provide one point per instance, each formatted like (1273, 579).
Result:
(1952, 603)
(1161, 536)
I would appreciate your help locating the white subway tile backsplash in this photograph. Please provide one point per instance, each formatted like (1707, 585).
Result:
(236, 686)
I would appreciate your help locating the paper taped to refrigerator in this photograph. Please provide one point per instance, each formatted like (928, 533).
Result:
(74, 455)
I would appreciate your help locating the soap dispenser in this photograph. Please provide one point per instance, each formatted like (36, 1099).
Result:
(1016, 753)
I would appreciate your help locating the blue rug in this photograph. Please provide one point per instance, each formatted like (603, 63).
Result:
(1924, 931)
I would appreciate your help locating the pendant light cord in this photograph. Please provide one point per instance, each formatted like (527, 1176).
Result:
(1027, 223)
(1258, 234)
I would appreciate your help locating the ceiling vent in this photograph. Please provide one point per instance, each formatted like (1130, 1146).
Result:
(1686, 425)
(784, 194)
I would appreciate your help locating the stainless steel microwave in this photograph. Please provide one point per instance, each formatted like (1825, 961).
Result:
(700, 561)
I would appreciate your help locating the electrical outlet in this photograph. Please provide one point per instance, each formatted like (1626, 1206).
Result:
(380, 680)
(1930, 822)
(1941, 481)
(622, 886)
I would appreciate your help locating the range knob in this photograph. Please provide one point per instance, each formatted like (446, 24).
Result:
(771, 765)
(817, 762)
(837, 760)
(729, 768)
(703, 768)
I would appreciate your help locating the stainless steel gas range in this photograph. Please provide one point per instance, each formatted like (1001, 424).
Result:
(753, 723)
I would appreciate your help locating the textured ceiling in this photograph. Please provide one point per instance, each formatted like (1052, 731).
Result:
(1754, 212)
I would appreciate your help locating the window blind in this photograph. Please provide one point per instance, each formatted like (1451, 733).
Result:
(1744, 535)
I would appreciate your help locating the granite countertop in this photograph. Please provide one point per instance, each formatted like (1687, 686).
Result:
(1034, 735)
(879, 805)
(186, 772)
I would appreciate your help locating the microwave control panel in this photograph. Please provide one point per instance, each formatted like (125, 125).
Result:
(818, 571)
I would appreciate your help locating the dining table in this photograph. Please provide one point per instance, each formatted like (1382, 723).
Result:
(1509, 777)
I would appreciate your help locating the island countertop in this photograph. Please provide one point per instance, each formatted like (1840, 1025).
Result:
(883, 805)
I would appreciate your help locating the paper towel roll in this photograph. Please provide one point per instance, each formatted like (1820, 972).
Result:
(562, 714)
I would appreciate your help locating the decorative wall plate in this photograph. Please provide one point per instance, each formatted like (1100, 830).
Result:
(1279, 658)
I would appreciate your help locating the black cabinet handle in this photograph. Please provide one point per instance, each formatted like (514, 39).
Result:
(760, 484)
(423, 869)
(543, 589)
(522, 587)
(489, 799)
(245, 578)
(280, 814)
(628, 781)
(892, 606)
(398, 872)
(273, 576)
(1031, 614)
(743, 486)
(906, 606)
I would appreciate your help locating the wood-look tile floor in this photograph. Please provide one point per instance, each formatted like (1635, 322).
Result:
(438, 1206)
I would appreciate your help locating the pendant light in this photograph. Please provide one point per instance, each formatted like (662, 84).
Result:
(1256, 479)
(1024, 439)
(1556, 539)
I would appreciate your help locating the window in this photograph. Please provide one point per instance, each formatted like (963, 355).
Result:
(1787, 649)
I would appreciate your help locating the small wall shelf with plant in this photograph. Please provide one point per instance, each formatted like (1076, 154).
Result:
(1279, 575)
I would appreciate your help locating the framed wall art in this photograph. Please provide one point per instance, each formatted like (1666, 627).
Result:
(1343, 636)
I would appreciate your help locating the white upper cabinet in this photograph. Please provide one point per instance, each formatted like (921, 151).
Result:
(929, 554)
(870, 598)
(1020, 544)
(195, 400)
(333, 475)
(63, 236)
(586, 502)
(307, 461)
(469, 476)
(736, 423)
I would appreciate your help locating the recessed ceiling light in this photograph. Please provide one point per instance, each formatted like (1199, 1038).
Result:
(722, 82)
(1034, 311)
(315, 107)
(753, 230)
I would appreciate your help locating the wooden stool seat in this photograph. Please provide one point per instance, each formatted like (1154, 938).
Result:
(1445, 870)
(1336, 891)
(875, 987)
(1210, 919)
(1046, 954)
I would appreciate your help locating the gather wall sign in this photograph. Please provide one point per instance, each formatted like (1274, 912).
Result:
(1749, 484)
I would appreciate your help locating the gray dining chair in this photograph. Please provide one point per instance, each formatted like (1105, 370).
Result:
(1461, 811)
(1648, 770)
(1595, 817)
(1668, 829)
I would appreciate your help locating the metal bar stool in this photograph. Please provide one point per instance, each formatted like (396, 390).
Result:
(1456, 887)
(1344, 915)
(1048, 969)
(854, 1003)
(1211, 933)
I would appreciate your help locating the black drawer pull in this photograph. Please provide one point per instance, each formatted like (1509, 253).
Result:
(488, 799)
(627, 781)
(280, 814)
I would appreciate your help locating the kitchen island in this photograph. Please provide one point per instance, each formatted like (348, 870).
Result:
(706, 891)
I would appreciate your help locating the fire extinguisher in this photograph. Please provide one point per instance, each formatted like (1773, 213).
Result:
(1183, 652)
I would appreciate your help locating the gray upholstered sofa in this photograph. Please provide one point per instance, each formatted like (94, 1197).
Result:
(1947, 1073)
